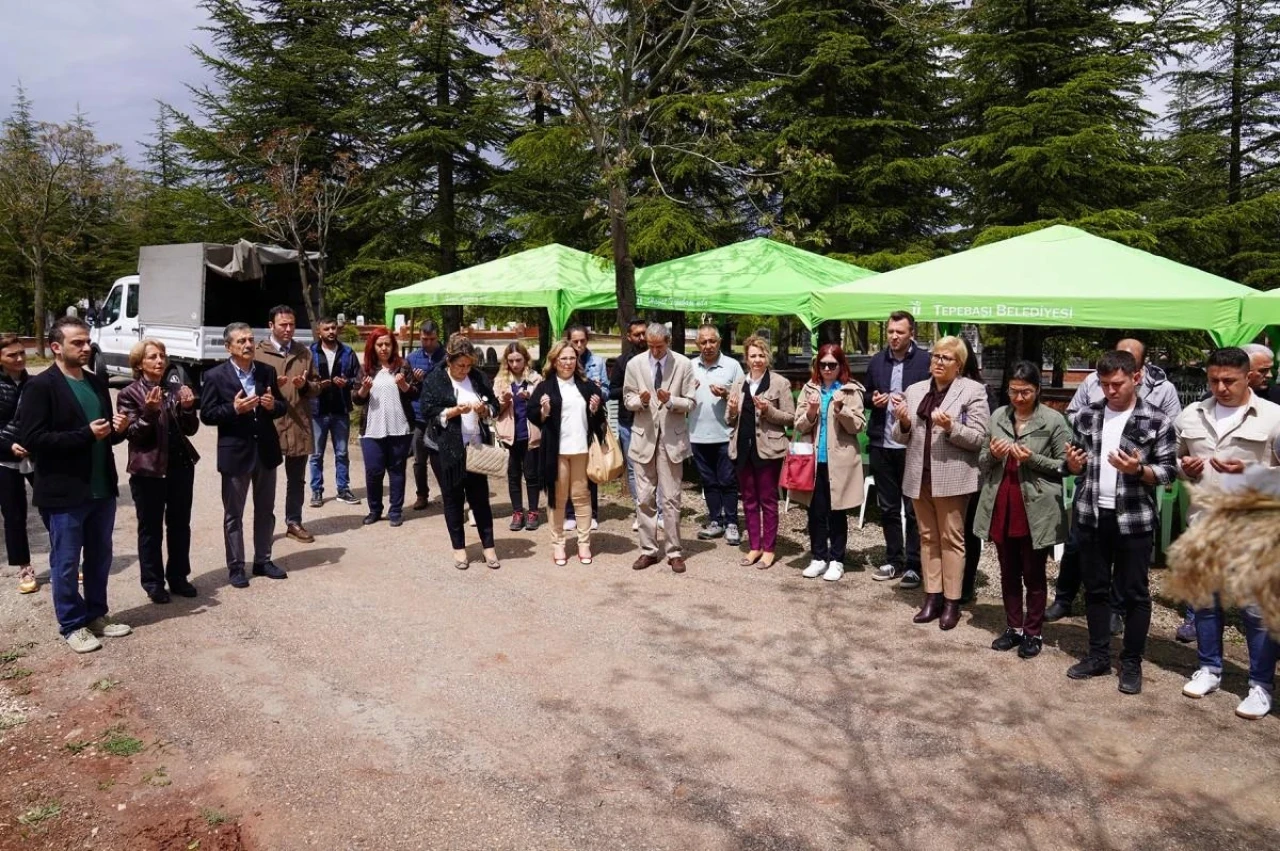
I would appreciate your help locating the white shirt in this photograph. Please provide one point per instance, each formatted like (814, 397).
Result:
(386, 413)
(1228, 418)
(470, 420)
(573, 419)
(1113, 423)
(330, 356)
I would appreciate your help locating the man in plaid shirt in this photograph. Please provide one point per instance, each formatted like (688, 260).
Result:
(1124, 447)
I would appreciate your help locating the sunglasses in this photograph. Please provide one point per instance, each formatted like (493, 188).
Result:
(827, 364)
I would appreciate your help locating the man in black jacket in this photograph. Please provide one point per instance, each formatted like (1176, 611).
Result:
(242, 398)
(65, 422)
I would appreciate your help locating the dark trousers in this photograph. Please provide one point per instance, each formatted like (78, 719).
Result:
(235, 494)
(828, 528)
(13, 505)
(385, 456)
(1109, 558)
(295, 485)
(473, 489)
(972, 554)
(80, 539)
(760, 502)
(719, 482)
(1022, 565)
(164, 505)
(421, 484)
(524, 464)
(897, 515)
(1068, 582)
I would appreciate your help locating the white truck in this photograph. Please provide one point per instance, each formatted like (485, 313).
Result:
(185, 295)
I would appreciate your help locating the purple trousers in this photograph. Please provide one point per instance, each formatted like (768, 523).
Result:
(1022, 565)
(758, 486)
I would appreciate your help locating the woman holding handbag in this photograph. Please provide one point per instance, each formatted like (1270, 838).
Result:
(515, 383)
(760, 409)
(385, 395)
(571, 413)
(457, 403)
(830, 410)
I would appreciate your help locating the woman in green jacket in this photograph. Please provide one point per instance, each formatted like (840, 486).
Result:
(1020, 506)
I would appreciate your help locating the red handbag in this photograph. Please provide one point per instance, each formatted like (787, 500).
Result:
(800, 469)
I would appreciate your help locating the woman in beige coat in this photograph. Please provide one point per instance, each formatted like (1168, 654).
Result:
(760, 409)
(943, 424)
(514, 385)
(830, 410)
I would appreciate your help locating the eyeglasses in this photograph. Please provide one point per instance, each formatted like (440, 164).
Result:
(1021, 394)
(828, 364)
(944, 358)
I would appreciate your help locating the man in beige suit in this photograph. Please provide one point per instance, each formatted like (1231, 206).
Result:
(658, 387)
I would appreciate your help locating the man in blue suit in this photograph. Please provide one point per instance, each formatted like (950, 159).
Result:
(241, 397)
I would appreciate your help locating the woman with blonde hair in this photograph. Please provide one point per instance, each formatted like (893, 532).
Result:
(571, 413)
(162, 467)
(514, 385)
(943, 423)
(760, 409)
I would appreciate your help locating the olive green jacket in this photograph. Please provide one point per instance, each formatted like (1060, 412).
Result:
(1040, 478)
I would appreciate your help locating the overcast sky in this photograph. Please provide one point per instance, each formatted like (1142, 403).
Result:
(112, 58)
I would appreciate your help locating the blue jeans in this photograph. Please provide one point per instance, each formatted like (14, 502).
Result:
(1263, 649)
(86, 529)
(337, 426)
(385, 456)
(624, 440)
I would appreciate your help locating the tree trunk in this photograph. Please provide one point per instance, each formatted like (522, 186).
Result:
(829, 332)
(308, 294)
(677, 332)
(782, 346)
(544, 335)
(446, 206)
(624, 269)
(37, 288)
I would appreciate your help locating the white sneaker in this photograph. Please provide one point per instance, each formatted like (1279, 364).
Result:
(1202, 682)
(471, 517)
(83, 641)
(109, 627)
(835, 570)
(595, 524)
(570, 525)
(1256, 705)
(635, 524)
(814, 570)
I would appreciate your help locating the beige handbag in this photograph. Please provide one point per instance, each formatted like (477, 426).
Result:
(604, 458)
(487, 459)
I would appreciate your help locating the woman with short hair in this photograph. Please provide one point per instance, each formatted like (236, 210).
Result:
(16, 466)
(570, 409)
(1020, 507)
(943, 423)
(515, 383)
(385, 396)
(162, 468)
(458, 403)
(759, 410)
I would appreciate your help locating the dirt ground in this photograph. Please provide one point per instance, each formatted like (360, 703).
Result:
(381, 699)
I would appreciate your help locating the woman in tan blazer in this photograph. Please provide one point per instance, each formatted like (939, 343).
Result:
(830, 409)
(759, 411)
(513, 387)
(943, 424)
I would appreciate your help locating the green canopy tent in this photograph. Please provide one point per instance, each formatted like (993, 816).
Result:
(555, 277)
(756, 276)
(1057, 276)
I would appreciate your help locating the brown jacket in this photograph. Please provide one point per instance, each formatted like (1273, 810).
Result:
(506, 422)
(771, 428)
(953, 469)
(294, 427)
(844, 455)
(148, 431)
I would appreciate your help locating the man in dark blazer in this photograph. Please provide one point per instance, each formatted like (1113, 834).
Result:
(241, 397)
(65, 422)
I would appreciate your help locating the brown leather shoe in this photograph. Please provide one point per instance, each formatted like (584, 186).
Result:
(645, 561)
(950, 615)
(931, 609)
(419, 504)
(677, 564)
(298, 533)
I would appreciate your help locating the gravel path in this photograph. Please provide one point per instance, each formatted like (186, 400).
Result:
(381, 699)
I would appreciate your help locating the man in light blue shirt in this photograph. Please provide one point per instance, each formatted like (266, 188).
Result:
(594, 367)
(709, 433)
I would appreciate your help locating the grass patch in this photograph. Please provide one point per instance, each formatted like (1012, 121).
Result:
(77, 747)
(35, 815)
(156, 778)
(213, 817)
(104, 785)
(11, 656)
(117, 742)
(8, 722)
(16, 674)
(104, 684)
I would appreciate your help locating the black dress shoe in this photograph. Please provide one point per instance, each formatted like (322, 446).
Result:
(1056, 612)
(1030, 647)
(1011, 639)
(184, 589)
(159, 595)
(1088, 667)
(1117, 623)
(397, 521)
(237, 577)
(371, 518)
(1131, 678)
(269, 570)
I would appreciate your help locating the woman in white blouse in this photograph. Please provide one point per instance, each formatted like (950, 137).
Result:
(386, 394)
(457, 404)
(570, 411)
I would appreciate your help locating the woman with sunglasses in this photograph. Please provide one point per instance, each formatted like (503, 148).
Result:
(830, 410)
(514, 384)
(943, 424)
(1020, 507)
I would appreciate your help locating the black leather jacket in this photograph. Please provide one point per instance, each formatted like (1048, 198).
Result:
(10, 393)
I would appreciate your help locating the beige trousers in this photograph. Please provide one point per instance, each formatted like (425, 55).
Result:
(663, 476)
(941, 522)
(571, 484)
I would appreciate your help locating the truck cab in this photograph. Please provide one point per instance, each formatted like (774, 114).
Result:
(117, 328)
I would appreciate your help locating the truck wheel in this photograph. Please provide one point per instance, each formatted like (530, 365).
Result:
(178, 374)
